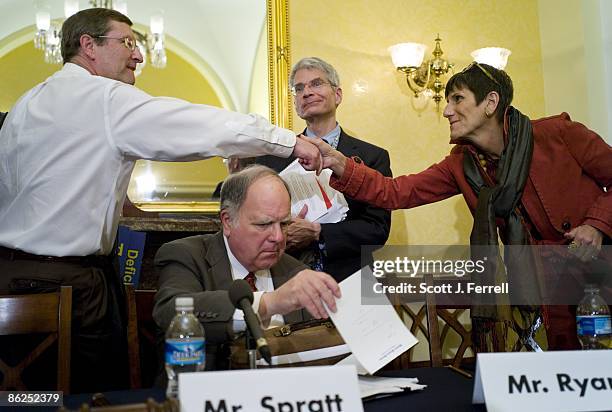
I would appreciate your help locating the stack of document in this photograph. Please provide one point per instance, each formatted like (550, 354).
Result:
(325, 204)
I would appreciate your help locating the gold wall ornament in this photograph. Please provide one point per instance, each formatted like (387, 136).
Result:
(279, 62)
(423, 77)
(179, 207)
(428, 77)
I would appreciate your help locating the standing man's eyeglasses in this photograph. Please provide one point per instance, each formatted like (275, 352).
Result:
(127, 41)
(315, 84)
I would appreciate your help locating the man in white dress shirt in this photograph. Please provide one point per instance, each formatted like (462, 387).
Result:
(255, 213)
(67, 149)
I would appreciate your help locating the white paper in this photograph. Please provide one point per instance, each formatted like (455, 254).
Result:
(544, 381)
(374, 332)
(307, 356)
(339, 206)
(352, 360)
(305, 190)
(320, 388)
(377, 385)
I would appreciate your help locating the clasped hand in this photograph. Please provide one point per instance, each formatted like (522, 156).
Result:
(308, 154)
(329, 157)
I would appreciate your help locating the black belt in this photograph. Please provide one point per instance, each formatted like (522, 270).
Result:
(91, 260)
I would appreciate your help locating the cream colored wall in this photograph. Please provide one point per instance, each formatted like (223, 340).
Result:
(20, 70)
(573, 59)
(259, 101)
(353, 35)
(559, 47)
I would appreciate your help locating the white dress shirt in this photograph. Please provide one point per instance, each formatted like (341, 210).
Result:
(263, 283)
(68, 147)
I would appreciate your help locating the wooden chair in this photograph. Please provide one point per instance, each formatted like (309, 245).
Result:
(141, 333)
(438, 324)
(46, 313)
(132, 338)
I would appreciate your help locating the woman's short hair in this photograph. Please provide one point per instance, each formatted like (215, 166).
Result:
(480, 79)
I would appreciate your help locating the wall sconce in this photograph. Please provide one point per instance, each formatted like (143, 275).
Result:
(493, 56)
(425, 78)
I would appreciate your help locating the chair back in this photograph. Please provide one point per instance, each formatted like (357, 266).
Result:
(444, 328)
(142, 337)
(45, 313)
(132, 338)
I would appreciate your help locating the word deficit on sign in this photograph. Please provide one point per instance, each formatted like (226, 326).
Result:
(130, 248)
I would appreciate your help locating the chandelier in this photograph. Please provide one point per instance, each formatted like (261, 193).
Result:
(427, 78)
(48, 35)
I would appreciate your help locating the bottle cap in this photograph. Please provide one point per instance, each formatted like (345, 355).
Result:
(184, 303)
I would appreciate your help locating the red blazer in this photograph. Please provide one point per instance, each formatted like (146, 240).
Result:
(570, 168)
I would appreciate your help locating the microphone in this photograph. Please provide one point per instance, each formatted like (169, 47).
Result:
(242, 298)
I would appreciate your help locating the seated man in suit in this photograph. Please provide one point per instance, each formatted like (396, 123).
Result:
(255, 212)
(332, 247)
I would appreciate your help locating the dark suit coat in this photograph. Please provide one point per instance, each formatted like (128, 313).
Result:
(198, 266)
(364, 224)
(2, 117)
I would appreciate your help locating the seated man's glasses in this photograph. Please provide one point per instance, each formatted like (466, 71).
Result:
(127, 41)
(485, 71)
(314, 85)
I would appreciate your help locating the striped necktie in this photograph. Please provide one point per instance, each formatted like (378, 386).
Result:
(250, 278)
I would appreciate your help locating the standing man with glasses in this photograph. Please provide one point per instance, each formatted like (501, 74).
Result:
(67, 149)
(544, 182)
(332, 247)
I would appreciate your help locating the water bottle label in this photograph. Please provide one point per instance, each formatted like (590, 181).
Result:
(179, 352)
(594, 325)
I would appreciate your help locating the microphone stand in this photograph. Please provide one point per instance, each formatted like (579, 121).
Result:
(251, 349)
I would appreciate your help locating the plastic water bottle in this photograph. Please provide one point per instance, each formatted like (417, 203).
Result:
(184, 344)
(593, 320)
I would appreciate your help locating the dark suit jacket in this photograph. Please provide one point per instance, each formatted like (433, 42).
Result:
(364, 224)
(2, 117)
(198, 266)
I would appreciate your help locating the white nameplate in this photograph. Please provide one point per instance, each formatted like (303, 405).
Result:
(306, 389)
(544, 381)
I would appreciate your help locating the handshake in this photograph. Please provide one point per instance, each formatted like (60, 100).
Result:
(315, 154)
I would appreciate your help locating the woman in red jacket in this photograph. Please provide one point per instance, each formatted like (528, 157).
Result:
(542, 182)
